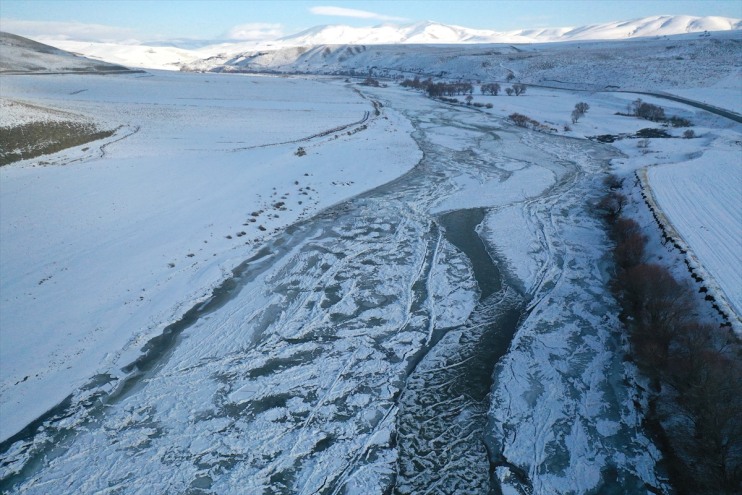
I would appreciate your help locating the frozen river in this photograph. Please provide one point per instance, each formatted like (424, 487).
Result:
(368, 349)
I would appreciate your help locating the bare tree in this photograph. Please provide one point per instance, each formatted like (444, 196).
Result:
(490, 89)
(519, 89)
(579, 110)
(647, 111)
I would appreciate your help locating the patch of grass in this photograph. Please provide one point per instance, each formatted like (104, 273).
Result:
(42, 138)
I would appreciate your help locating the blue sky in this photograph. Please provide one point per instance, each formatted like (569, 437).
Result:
(147, 20)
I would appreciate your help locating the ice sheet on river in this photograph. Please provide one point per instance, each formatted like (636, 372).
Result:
(562, 412)
(335, 365)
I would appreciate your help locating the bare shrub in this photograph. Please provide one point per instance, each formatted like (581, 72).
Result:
(630, 251)
(611, 205)
(613, 182)
(658, 303)
(524, 121)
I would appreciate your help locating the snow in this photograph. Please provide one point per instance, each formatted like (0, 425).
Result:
(280, 374)
(161, 57)
(701, 198)
(17, 113)
(87, 243)
(725, 93)
(430, 32)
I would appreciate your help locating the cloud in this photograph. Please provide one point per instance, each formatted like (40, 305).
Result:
(355, 13)
(77, 31)
(255, 31)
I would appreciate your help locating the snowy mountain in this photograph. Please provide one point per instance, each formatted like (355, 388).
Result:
(430, 32)
(173, 55)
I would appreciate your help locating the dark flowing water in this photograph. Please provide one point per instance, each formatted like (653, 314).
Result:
(443, 440)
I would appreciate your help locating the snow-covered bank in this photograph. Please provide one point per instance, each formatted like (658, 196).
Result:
(103, 247)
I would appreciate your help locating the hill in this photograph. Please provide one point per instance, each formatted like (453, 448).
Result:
(680, 61)
(19, 55)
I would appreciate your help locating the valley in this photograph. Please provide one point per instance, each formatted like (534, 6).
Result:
(299, 283)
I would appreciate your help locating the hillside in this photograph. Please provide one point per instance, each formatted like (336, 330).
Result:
(19, 55)
(598, 65)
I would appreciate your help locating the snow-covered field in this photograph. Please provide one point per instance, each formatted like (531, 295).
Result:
(701, 197)
(107, 243)
(342, 353)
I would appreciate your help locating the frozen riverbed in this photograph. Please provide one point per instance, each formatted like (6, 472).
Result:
(353, 352)
(103, 245)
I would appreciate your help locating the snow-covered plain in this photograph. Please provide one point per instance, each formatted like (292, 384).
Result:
(343, 355)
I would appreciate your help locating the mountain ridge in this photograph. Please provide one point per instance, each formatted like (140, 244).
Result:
(174, 54)
(432, 32)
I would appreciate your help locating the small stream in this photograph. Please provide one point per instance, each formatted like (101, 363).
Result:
(442, 425)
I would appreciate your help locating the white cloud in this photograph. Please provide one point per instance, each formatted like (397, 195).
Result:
(255, 31)
(76, 31)
(358, 14)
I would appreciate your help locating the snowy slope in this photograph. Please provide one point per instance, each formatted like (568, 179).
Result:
(154, 57)
(680, 62)
(19, 55)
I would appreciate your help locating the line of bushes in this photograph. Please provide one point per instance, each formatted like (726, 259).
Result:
(694, 367)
